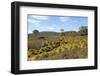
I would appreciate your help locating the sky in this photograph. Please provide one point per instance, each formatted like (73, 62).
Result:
(55, 23)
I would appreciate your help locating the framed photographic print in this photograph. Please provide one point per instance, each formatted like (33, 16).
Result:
(52, 37)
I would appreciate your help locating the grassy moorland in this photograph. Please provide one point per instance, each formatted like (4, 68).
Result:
(54, 46)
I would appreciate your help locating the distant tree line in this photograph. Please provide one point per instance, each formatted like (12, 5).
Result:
(83, 30)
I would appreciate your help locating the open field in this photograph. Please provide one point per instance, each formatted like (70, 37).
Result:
(57, 47)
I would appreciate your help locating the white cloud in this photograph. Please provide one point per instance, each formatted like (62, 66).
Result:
(40, 17)
(46, 28)
(64, 19)
(51, 28)
(35, 22)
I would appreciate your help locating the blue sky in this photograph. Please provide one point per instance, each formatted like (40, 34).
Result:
(55, 23)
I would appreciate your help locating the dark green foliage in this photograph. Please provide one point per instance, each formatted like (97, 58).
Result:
(42, 37)
(83, 30)
(35, 32)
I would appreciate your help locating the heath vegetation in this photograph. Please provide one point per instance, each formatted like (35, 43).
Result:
(58, 45)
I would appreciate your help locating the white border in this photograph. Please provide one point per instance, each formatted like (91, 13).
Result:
(26, 65)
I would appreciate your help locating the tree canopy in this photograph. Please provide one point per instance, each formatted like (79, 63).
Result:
(83, 30)
(35, 32)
